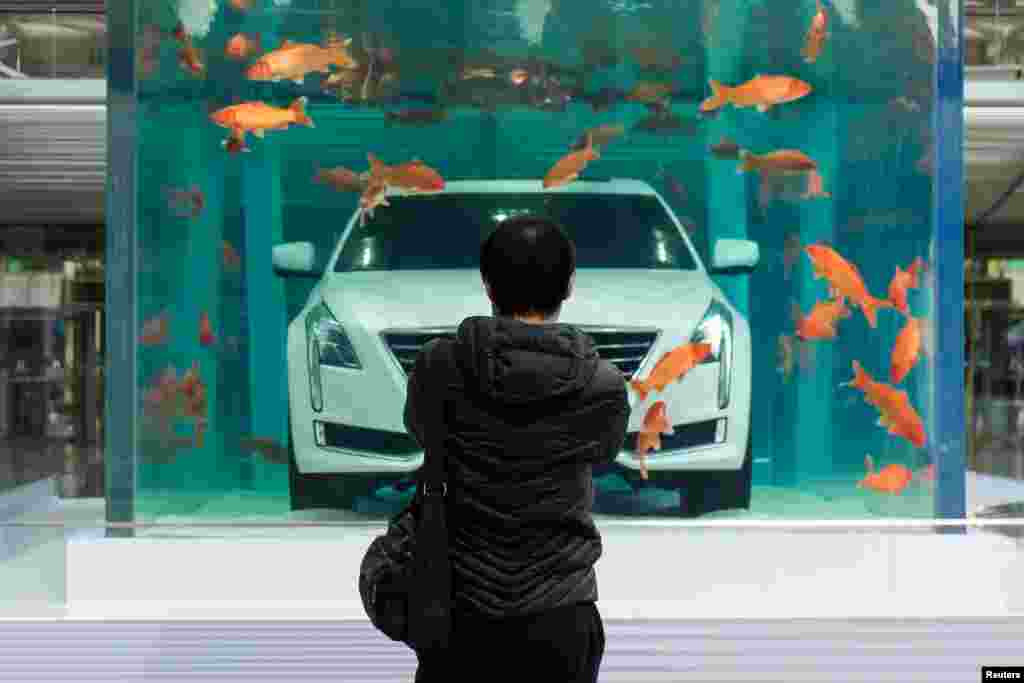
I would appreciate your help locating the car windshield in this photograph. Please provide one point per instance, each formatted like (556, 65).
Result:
(445, 231)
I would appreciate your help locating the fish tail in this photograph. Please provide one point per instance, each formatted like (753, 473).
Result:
(298, 106)
(376, 165)
(339, 55)
(640, 388)
(860, 377)
(870, 306)
(746, 162)
(719, 96)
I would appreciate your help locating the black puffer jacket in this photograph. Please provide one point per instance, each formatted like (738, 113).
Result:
(530, 408)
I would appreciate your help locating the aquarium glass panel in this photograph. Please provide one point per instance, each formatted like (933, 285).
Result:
(302, 188)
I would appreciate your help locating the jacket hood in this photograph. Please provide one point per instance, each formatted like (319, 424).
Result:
(518, 363)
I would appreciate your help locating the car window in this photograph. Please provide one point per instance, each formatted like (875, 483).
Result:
(444, 231)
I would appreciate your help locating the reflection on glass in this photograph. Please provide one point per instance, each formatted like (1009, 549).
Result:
(994, 325)
(53, 45)
(51, 357)
(993, 37)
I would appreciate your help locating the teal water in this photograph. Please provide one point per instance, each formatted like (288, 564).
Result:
(867, 124)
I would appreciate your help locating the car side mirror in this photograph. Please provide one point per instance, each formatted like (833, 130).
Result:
(295, 259)
(735, 256)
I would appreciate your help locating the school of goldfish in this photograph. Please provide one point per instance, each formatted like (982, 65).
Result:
(360, 81)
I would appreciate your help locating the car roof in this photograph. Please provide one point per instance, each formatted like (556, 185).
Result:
(586, 186)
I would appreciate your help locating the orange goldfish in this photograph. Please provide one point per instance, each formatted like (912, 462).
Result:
(241, 5)
(155, 331)
(569, 167)
(200, 431)
(779, 161)
(373, 196)
(257, 118)
(906, 350)
(206, 337)
(292, 61)
(519, 76)
(820, 323)
(192, 200)
(656, 419)
(412, 176)
(890, 479)
(188, 56)
(815, 187)
(816, 35)
(646, 441)
(241, 46)
(671, 367)
(189, 381)
(229, 256)
(342, 179)
(901, 282)
(161, 398)
(844, 280)
(896, 413)
(762, 92)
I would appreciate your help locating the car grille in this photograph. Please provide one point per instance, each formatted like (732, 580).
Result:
(626, 348)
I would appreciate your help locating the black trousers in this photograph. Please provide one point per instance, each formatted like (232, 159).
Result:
(564, 644)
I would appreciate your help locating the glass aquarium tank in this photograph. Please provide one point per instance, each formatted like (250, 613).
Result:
(747, 182)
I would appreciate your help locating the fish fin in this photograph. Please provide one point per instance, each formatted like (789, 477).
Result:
(376, 165)
(298, 106)
(869, 463)
(259, 132)
(299, 81)
(287, 43)
(640, 388)
(719, 96)
(763, 108)
(746, 161)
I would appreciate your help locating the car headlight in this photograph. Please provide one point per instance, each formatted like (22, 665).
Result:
(326, 344)
(715, 328)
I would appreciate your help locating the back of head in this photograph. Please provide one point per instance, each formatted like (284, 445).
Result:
(528, 262)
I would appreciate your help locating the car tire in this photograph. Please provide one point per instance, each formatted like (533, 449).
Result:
(326, 491)
(703, 492)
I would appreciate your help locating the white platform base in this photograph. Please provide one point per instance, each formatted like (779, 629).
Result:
(646, 573)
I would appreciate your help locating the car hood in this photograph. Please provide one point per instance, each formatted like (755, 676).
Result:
(383, 299)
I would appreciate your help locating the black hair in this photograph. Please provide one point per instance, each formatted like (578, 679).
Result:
(528, 262)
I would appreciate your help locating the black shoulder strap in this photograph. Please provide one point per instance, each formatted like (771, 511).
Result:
(437, 368)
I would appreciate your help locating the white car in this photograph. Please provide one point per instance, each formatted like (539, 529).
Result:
(412, 273)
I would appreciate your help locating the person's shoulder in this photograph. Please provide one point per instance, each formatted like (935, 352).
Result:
(608, 381)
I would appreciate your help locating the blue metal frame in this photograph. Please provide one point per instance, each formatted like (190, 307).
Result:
(947, 442)
(122, 268)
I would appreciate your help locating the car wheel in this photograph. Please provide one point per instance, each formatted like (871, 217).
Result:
(326, 491)
(704, 492)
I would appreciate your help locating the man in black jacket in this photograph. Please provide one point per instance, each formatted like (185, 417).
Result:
(530, 407)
